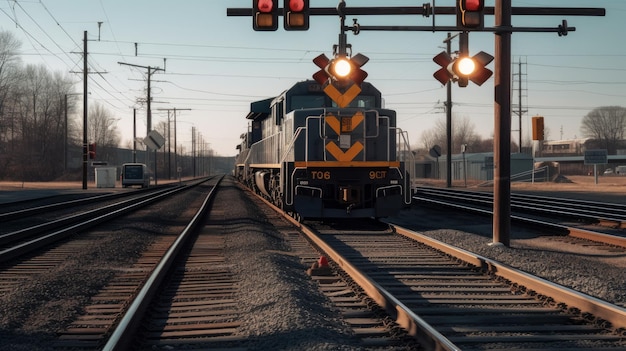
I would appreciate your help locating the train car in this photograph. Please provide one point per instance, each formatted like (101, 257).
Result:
(316, 160)
(135, 174)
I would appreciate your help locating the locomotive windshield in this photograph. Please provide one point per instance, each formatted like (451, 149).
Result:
(316, 101)
(307, 101)
(362, 101)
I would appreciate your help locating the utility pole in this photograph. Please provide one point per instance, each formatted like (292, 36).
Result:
(449, 117)
(502, 121)
(193, 150)
(151, 70)
(168, 136)
(85, 141)
(85, 109)
(520, 95)
(134, 135)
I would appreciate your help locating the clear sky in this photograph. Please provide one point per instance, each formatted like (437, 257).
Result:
(216, 65)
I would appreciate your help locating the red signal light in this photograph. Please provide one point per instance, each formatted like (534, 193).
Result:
(265, 6)
(296, 5)
(473, 5)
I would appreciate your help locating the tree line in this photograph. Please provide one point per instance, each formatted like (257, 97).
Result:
(37, 128)
(605, 125)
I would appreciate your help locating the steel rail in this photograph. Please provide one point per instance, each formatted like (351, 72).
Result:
(122, 336)
(6, 216)
(83, 222)
(407, 319)
(7, 238)
(602, 309)
(559, 228)
(591, 210)
(427, 335)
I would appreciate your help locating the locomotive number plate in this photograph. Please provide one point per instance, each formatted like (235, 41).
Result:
(378, 174)
(320, 175)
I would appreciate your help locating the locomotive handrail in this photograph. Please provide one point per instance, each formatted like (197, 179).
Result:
(313, 188)
(289, 201)
(283, 159)
(384, 188)
(291, 144)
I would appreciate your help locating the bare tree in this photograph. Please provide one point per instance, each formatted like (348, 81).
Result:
(102, 130)
(9, 71)
(607, 125)
(462, 133)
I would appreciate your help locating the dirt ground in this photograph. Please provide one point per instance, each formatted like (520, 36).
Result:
(11, 185)
(611, 184)
(608, 184)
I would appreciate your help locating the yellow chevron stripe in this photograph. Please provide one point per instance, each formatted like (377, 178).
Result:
(349, 155)
(342, 100)
(357, 119)
(334, 123)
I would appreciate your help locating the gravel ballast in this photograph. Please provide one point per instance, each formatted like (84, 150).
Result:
(587, 268)
(282, 306)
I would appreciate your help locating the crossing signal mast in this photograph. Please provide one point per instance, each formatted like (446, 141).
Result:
(342, 76)
(470, 15)
(463, 68)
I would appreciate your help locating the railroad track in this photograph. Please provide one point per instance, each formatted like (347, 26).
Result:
(556, 214)
(445, 303)
(116, 313)
(27, 237)
(62, 203)
(451, 299)
(198, 305)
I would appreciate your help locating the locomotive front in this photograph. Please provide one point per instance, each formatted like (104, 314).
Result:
(346, 164)
(317, 160)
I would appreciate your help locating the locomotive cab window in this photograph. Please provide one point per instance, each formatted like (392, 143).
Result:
(307, 101)
(362, 101)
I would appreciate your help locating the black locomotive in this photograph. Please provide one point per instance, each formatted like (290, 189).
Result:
(316, 160)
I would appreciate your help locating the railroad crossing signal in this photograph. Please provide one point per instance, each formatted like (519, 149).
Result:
(463, 68)
(469, 14)
(265, 15)
(296, 14)
(341, 77)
